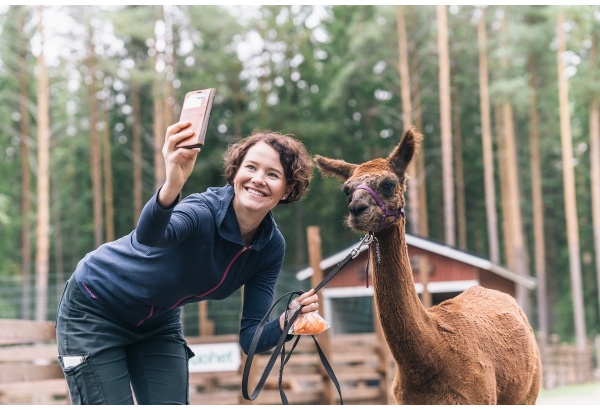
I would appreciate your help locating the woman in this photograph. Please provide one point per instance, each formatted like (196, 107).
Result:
(118, 321)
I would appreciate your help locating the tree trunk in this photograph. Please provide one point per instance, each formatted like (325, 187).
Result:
(25, 174)
(158, 96)
(446, 126)
(263, 78)
(501, 149)
(169, 96)
(95, 150)
(486, 136)
(407, 121)
(416, 182)
(43, 188)
(506, 233)
(515, 240)
(461, 212)
(537, 204)
(159, 132)
(299, 257)
(570, 194)
(595, 165)
(513, 213)
(57, 237)
(107, 167)
(237, 100)
(137, 163)
(419, 159)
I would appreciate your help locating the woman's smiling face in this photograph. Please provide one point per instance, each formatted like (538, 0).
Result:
(260, 181)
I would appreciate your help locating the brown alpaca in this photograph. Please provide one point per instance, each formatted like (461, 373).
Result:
(477, 348)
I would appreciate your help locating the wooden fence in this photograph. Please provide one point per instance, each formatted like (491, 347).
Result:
(565, 364)
(30, 373)
(29, 370)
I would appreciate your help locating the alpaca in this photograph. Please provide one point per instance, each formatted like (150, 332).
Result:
(476, 348)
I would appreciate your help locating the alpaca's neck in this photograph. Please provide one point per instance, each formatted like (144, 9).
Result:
(405, 323)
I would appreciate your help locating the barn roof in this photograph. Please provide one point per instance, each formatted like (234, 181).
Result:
(433, 247)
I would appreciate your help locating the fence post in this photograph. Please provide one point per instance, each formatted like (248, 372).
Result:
(315, 257)
(596, 369)
(206, 327)
(426, 297)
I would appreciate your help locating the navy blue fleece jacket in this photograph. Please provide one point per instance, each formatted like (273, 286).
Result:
(190, 252)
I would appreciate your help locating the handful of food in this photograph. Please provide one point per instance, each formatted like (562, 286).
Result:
(307, 323)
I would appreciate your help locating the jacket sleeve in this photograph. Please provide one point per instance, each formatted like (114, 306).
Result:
(164, 227)
(258, 297)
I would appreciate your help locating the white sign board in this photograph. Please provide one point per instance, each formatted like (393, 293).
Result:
(215, 357)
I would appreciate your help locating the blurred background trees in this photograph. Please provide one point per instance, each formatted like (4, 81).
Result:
(332, 76)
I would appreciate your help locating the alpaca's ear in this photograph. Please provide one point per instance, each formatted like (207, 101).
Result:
(337, 168)
(404, 152)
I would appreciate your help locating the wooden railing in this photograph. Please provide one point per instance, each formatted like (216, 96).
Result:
(30, 373)
(566, 364)
(354, 359)
(29, 369)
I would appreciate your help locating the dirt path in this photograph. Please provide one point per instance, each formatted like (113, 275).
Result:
(581, 394)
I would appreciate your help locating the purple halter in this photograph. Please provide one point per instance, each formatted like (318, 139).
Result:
(386, 212)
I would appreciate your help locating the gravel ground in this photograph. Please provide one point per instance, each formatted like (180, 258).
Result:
(586, 394)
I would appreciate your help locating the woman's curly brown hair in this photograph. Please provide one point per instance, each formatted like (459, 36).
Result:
(296, 161)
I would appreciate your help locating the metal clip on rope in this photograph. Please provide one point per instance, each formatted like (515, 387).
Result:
(366, 240)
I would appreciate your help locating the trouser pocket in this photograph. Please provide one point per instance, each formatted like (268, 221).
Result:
(81, 380)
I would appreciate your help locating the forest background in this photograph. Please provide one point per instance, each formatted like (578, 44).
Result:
(505, 96)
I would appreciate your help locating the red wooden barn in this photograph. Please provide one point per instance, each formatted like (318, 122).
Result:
(346, 299)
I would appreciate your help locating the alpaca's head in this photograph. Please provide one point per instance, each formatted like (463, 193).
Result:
(385, 177)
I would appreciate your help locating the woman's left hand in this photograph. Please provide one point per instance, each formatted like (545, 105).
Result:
(309, 301)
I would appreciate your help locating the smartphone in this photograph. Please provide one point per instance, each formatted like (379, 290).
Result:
(196, 109)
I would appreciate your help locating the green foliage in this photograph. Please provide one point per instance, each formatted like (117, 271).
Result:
(326, 74)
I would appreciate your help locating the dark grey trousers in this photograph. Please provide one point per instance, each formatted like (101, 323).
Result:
(103, 359)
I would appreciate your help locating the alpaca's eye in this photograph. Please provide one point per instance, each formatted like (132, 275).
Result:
(388, 187)
(348, 193)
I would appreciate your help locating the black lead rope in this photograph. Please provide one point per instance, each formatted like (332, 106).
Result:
(280, 347)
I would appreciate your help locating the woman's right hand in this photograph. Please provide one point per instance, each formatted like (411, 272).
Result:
(179, 162)
(309, 302)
